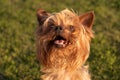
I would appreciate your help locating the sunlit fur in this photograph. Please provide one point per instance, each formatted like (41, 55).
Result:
(63, 63)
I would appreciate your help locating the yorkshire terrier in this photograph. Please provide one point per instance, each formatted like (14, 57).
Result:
(63, 44)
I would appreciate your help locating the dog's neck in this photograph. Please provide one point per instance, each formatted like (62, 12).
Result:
(66, 64)
(63, 74)
(65, 67)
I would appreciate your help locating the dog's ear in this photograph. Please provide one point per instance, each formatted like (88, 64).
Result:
(87, 19)
(42, 16)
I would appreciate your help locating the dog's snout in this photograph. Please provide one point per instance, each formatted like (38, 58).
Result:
(59, 28)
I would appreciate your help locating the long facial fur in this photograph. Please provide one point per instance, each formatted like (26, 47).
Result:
(75, 54)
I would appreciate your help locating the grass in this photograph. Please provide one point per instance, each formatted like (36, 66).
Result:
(17, 37)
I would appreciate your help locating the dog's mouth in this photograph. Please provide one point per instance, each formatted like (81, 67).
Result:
(60, 41)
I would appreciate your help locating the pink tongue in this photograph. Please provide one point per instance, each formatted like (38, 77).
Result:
(59, 42)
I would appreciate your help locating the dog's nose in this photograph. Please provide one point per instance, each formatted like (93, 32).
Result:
(59, 28)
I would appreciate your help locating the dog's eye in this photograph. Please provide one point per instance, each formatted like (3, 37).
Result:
(71, 28)
(52, 26)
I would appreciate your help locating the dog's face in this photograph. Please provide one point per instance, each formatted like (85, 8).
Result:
(63, 34)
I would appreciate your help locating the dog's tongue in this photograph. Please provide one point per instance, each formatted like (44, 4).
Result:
(59, 42)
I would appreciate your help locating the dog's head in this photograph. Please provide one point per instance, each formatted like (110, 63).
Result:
(63, 34)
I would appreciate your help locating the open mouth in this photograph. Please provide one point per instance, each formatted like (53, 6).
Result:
(60, 41)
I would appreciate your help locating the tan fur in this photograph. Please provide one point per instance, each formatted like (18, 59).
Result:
(66, 63)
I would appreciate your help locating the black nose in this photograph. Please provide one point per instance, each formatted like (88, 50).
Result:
(59, 28)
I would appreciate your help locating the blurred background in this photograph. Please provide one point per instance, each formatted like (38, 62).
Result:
(17, 37)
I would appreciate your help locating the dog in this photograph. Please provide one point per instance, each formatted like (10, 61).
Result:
(63, 44)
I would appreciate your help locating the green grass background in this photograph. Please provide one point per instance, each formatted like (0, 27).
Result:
(17, 37)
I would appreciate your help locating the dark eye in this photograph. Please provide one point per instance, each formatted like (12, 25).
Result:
(71, 28)
(51, 25)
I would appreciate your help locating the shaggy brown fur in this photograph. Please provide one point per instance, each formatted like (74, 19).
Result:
(63, 44)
